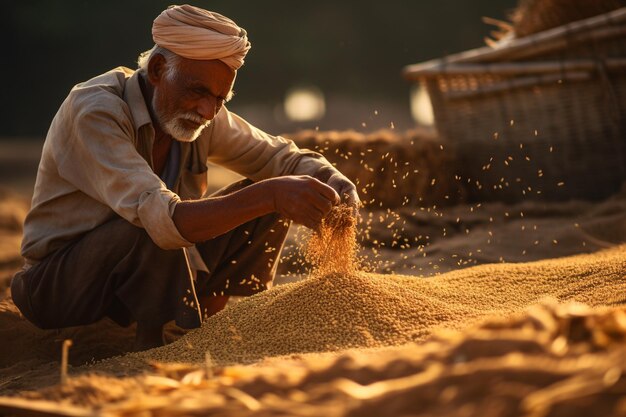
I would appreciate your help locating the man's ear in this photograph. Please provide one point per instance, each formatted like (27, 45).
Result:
(156, 68)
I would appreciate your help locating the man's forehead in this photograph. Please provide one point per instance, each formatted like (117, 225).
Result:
(218, 80)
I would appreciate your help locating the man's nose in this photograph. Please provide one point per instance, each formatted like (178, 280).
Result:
(207, 107)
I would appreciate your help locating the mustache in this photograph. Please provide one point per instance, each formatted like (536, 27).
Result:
(194, 117)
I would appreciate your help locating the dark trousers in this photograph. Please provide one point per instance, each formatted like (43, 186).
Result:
(117, 271)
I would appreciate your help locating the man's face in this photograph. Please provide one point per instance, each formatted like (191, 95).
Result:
(189, 96)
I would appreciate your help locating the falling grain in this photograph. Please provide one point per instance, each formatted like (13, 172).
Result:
(333, 248)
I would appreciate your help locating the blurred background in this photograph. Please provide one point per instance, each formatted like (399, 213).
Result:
(323, 64)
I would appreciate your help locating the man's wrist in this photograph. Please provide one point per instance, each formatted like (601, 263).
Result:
(325, 173)
(267, 194)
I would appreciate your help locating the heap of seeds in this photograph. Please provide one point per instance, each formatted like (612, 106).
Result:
(332, 249)
(337, 312)
(322, 313)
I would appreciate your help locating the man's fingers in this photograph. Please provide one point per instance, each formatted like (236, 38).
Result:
(327, 206)
(352, 199)
(332, 196)
(345, 188)
(312, 223)
(312, 217)
(348, 198)
(314, 200)
(325, 202)
(327, 192)
(315, 213)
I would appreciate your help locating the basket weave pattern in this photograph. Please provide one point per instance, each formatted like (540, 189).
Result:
(524, 132)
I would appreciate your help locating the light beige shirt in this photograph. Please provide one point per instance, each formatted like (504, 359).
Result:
(97, 163)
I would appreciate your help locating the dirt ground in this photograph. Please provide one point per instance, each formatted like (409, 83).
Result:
(539, 358)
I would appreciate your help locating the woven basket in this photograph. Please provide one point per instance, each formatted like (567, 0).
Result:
(533, 16)
(540, 117)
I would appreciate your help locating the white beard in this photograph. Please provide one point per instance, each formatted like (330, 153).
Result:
(174, 127)
(181, 133)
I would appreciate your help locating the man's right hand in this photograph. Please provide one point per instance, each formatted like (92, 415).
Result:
(303, 199)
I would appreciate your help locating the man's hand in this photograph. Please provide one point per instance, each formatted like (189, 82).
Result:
(303, 199)
(346, 190)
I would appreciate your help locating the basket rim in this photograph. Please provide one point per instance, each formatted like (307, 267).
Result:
(487, 57)
(521, 68)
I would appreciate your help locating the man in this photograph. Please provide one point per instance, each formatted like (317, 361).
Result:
(120, 225)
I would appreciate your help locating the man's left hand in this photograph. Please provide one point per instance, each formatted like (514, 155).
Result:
(346, 190)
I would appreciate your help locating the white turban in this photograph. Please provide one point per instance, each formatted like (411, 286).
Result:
(196, 33)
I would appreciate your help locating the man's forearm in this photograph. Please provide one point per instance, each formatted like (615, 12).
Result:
(318, 168)
(201, 220)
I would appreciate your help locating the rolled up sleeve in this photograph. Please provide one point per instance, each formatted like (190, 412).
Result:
(155, 210)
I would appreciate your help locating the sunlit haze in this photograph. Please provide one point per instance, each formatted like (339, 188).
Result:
(304, 104)
(421, 108)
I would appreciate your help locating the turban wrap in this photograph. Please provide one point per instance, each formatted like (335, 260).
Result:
(196, 33)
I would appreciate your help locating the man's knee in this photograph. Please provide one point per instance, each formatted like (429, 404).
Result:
(121, 238)
(77, 284)
(21, 298)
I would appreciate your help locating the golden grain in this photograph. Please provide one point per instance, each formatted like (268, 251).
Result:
(341, 311)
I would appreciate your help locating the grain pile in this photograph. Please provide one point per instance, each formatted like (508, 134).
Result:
(333, 313)
(322, 313)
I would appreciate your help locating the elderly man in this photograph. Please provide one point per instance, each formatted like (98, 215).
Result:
(120, 225)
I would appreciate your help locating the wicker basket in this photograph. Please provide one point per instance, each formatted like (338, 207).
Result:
(532, 16)
(540, 117)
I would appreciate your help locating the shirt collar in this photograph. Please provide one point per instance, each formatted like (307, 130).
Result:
(136, 102)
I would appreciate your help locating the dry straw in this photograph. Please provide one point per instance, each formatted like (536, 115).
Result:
(552, 360)
(64, 360)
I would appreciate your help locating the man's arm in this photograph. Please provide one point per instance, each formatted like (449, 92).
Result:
(346, 189)
(241, 147)
(303, 199)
